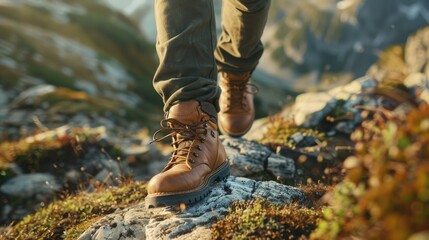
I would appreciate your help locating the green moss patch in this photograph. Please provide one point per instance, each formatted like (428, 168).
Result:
(260, 219)
(69, 217)
(280, 130)
(30, 153)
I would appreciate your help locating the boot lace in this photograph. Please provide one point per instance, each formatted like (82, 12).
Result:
(236, 91)
(183, 135)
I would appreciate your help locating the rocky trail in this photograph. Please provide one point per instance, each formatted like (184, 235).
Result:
(348, 162)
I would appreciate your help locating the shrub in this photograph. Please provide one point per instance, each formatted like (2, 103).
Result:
(386, 191)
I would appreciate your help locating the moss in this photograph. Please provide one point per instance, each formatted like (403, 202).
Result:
(280, 130)
(50, 76)
(51, 153)
(9, 77)
(314, 193)
(68, 218)
(66, 101)
(260, 219)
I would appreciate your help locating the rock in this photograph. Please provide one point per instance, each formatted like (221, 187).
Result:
(348, 40)
(419, 82)
(73, 176)
(39, 185)
(296, 137)
(28, 96)
(307, 141)
(100, 164)
(80, 119)
(425, 96)
(247, 158)
(416, 79)
(416, 52)
(3, 97)
(311, 108)
(259, 128)
(104, 176)
(16, 117)
(345, 127)
(281, 167)
(140, 152)
(193, 223)
(55, 133)
(353, 88)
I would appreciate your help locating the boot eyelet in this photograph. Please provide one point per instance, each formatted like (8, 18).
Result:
(192, 160)
(205, 124)
(199, 148)
(195, 154)
(213, 133)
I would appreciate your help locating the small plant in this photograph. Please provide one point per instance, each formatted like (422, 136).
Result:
(386, 191)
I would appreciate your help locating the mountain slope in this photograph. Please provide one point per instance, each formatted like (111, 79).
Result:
(79, 45)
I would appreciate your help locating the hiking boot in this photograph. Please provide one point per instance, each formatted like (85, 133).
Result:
(236, 104)
(197, 161)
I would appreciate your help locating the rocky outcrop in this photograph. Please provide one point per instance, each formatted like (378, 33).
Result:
(311, 109)
(192, 223)
(338, 37)
(247, 158)
(419, 83)
(344, 104)
(60, 75)
(37, 185)
(40, 173)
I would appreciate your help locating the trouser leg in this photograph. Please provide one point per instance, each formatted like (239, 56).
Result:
(239, 48)
(185, 45)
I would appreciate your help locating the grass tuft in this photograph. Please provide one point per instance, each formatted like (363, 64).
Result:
(70, 217)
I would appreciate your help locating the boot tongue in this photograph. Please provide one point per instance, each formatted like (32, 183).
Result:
(188, 113)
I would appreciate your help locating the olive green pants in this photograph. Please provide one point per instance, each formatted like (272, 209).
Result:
(189, 54)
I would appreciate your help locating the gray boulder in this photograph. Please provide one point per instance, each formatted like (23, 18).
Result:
(37, 185)
(192, 223)
(311, 108)
(247, 158)
(420, 83)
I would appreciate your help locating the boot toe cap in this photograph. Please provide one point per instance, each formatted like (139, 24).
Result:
(172, 182)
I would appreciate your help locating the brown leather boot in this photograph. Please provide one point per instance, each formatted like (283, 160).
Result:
(236, 104)
(198, 159)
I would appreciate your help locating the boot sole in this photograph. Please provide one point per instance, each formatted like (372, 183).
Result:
(159, 200)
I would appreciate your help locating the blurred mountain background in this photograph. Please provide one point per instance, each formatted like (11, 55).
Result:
(92, 61)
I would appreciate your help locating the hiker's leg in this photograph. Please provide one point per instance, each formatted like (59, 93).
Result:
(185, 46)
(239, 48)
